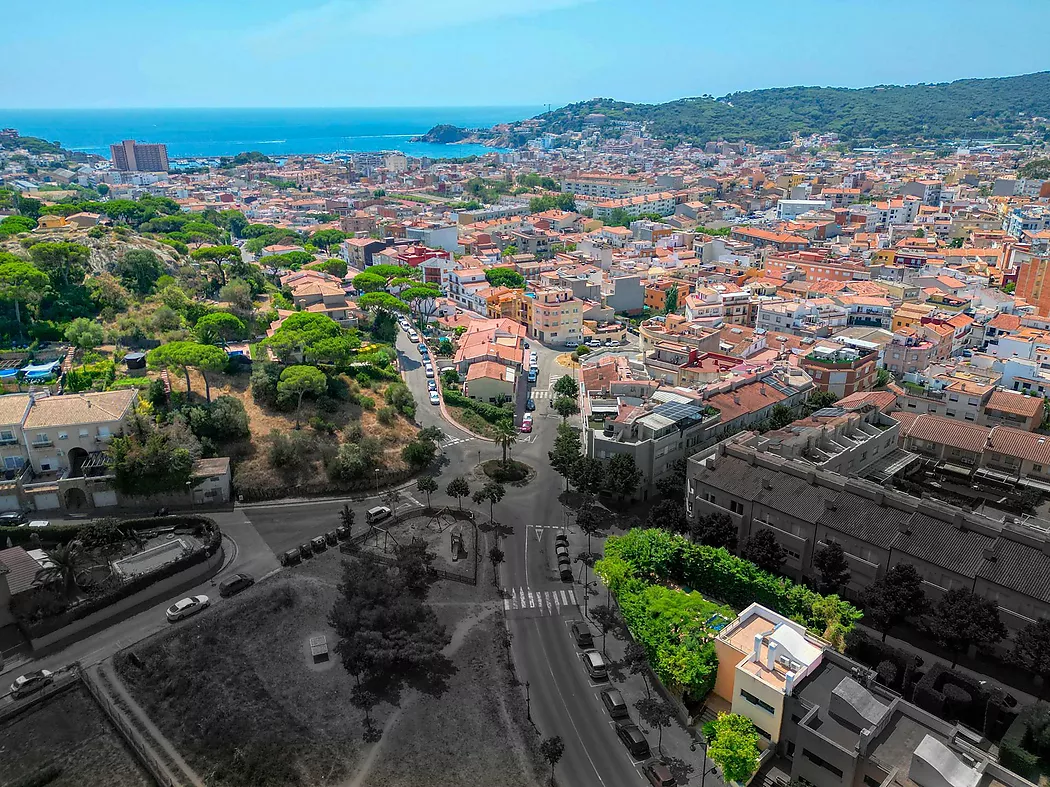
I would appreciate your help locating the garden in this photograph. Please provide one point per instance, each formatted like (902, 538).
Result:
(663, 583)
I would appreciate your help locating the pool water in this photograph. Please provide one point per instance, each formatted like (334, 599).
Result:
(151, 559)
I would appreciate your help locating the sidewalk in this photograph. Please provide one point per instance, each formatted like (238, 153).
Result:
(142, 722)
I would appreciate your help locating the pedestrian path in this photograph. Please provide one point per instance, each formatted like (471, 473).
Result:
(525, 602)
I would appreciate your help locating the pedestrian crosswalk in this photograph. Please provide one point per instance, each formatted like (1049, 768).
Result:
(553, 379)
(525, 602)
(541, 394)
(450, 440)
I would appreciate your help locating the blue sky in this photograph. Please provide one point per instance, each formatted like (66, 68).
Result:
(361, 53)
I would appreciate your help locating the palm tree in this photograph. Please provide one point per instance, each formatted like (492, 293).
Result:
(64, 561)
(506, 436)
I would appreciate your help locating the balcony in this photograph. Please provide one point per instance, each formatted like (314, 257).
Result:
(48, 443)
(8, 441)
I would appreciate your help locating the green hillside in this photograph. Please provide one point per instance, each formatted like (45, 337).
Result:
(966, 109)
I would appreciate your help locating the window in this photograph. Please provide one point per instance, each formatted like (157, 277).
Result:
(735, 507)
(63, 436)
(870, 782)
(820, 761)
(757, 702)
(13, 462)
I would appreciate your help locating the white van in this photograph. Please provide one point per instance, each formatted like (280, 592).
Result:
(377, 514)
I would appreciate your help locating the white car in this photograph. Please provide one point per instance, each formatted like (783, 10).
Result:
(434, 398)
(186, 607)
(413, 336)
(31, 682)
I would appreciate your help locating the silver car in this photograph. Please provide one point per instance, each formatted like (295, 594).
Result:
(186, 607)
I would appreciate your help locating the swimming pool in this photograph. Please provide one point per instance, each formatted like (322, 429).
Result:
(151, 559)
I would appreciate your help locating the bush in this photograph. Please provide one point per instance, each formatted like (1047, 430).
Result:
(398, 396)
(1013, 752)
(957, 702)
(386, 415)
(489, 412)
(952, 696)
(873, 653)
(887, 672)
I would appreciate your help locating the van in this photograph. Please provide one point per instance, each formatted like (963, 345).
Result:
(595, 665)
(377, 514)
(613, 701)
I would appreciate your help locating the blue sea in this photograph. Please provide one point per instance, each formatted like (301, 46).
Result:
(225, 132)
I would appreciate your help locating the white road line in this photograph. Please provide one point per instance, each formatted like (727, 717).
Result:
(506, 605)
(532, 600)
(564, 598)
(574, 601)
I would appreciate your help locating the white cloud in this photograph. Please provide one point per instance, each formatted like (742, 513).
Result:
(344, 20)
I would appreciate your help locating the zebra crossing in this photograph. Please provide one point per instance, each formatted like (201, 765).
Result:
(525, 602)
(541, 394)
(451, 440)
(546, 393)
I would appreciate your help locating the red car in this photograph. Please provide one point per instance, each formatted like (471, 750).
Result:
(526, 426)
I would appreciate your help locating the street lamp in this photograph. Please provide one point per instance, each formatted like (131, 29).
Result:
(377, 481)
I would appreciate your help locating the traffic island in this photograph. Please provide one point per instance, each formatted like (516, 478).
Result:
(513, 472)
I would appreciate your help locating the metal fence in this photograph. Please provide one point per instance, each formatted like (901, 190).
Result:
(149, 759)
(390, 561)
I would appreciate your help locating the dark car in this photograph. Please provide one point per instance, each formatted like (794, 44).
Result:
(659, 775)
(530, 404)
(631, 737)
(565, 572)
(12, 518)
(614, 702)
(582, 634)
(561, 538)
(234, 584)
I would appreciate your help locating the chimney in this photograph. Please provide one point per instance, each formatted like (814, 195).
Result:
(829, 505)
(767, 484)
(758, 647)
(880, 498)
(811, 477)
(789, 682)
(771, 656)
(989, 551)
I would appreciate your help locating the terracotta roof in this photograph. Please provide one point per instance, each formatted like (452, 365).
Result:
(20, 568)
(1015, 403)
(944, 431)
(746, 399)
(490, 370)
(1005, 322)
(881, 399)
(83, 408)
(13, 408)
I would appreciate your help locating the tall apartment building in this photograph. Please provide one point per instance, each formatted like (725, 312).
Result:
(606, 186)
(557, 317)
(131, 156)
(1032, 281)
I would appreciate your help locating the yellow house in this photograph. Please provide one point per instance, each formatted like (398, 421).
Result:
(883, 257)
(49, 222)
(908, 315)
(488, 381)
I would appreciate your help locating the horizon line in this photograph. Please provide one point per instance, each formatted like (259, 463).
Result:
(227, 108)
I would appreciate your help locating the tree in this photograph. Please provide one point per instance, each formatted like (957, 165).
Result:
(222, 256)
(492, 492)
(382, 303)
(427, 485)
(566, 452)
(668, 515)
(658, 713)
(566, 386)
(734, 747)
(369, 282)
(298, 381)
(565, 407)
(894, 598)
(148, 461)
(138, 270)
(592, 520)
(496, 557)
(346, 517)
(622, 476)
(84, 333)
(305, 335)
(420, 452)
(458, 488)
(961, 618)
(588, 474)
(323, 239)
(65, 561)
(830, 561)
(764, 551)
(637, 662)
(413, 561)
(672, 486)
(422, 302)
(62, 262)
(671, 301)
(219, 328)
(552, 749)
(509, 251)
(505, 277)
(20, 282)
(716, 530)
(606, 619)
(1032, 650)
(505, 437)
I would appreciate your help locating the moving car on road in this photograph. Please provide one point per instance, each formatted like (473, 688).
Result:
(190, 605)
(30, 683)
(631, 737)
(233, 585)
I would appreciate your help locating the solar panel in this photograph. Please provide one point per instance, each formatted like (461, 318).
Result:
(675, 411)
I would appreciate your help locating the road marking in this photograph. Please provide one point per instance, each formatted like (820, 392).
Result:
(450, 440)
(541, 394)
(532, 603)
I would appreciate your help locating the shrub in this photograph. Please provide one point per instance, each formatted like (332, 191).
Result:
(887, 672)
(1013, 753)
(873, 653)
(489, 412)
(957, 701)
(952, 696)
(386, 415)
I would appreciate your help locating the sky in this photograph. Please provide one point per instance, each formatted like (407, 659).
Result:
(367, 53)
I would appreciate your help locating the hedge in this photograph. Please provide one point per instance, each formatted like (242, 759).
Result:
(205, 529)
(489, 412)
(952, 696)
(874, 654)
(1012, 751)
(63, 534)
(658, 555)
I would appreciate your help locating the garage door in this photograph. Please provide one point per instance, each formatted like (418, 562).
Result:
(45, 502)
(103, 499)
(10, 503)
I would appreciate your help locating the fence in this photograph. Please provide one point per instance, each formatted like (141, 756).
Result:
(149, 759)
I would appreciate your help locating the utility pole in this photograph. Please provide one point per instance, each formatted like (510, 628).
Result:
(528, 702)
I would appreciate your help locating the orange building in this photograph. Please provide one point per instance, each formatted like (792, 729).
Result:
(1032, 285)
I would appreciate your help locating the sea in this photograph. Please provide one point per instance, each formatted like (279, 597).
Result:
(208, 133)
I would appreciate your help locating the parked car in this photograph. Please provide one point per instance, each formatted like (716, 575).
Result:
(526, 345)
(530, 404)
(31, 682)
(291, 557)
(319, 544)
(432, 385)
(413, 336)
(526, 427)
(434, 398)
(658, 774)
(631, 737)
(561, 549)
(429, 371)
(572, 343)
(306, 550)
(40, 523)
(422, 348)
(533, 374)
(565, 572)
(527, 417)
(377, 514)
(12, 518)
(234, 584)
(593, 343)
(183, 608)
(614, 702)
(582, 634)
(595, 664)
